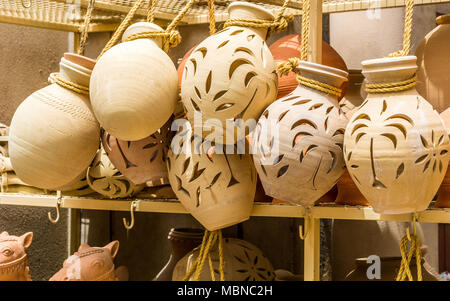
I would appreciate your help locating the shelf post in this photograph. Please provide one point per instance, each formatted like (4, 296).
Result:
(312, 249)
(315, 32)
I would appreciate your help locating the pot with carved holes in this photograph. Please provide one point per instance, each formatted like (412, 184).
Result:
(298, 140)
(230, 78)
(14, 258)
(216, 187)
(396, 146)
(443, 194)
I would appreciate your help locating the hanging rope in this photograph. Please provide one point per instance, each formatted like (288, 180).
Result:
(87, 20)
(208, 242)
(211, 17)
(407, 255)
(280, 22)
(80, 89)
(151, 11)
(306, 8)
(409, 9)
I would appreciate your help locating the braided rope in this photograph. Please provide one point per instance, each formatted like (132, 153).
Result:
(409, 9)
(405, 270)
(391, 87)
(87, 20)
(151, 11)
(211, 17)
(211, 241)
(196, 262)
(56, 78)
(172, 38)
(221, 258)
(306, 8)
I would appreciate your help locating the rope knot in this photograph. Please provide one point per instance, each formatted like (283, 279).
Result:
(290, 65)
(173, 38)
(282, 23)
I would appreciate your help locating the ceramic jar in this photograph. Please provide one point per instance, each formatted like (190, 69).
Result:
(14, 257)
(396, 146)
(355, 93)
(443, 195)
(134, 86)
(243, 262)
(298, 140)
(142, 161)
(217, 188)
(182, 241)
(433, 59)
(290, 46)
(105, 179)
(348, 192)
(230, 78)
(54, 135)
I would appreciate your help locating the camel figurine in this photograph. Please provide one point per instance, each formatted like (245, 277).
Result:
(92, 264)
(13, 257)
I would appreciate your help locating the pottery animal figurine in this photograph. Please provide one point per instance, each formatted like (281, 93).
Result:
(216, 187)
(433, 60)
(298, 140)
(443, 194)
(243, 261)
(290, 46)
(142, 161)
(134, 86)
(182, 241)
(396, 146)
(54, 134)
(14, 258)
(355, 93)
(223, 96)
(92, 264)
(105, 179)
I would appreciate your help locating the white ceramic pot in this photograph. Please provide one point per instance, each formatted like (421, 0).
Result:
(229, 77)
(298, 140)
(396, 145)
(54, 135)
(134, 86)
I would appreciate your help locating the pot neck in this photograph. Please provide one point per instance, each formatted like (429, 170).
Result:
(76, 68)
(443, 20)
(141, 27)
(389, 70)
(246, 10)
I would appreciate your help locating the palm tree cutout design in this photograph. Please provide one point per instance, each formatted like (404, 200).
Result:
(435, 149)
(253, 269)
(392, 127)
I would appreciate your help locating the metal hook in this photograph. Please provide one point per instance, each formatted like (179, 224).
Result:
(58, 205)
(304, 233)
(130, 225)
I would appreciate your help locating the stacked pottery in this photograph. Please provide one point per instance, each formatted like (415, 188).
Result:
(298, 140)
(396, 146)
(289, 46)
(134, 86)
(433, 60)
(230, 78)
(443, 195)
(54, 135)
(243, 262)
(142, 161)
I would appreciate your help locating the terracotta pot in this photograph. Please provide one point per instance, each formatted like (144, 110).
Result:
(355, 93)
(298, 140)
(243, 262)
(92, 264)
(230, 76)
(389, 267)
(218, 189)
(181, 67)
(443, 194)
(290, 46)
(348, 192)
(54, 135)
(433, 60)
(134, 86)
(396, 146)
(105, 179)
(142, 161)
(182, 240)
(14, 258)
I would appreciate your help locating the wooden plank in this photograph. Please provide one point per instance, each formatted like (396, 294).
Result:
(312, 249)
(315, 34)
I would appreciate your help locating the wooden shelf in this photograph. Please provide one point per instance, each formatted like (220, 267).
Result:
(344, 6)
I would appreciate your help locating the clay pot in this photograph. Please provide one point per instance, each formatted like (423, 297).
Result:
(92, 264)
(389, 267)
(230, 78)
(243, 262)
(433, 60)
(105, 179)
(182, 240)
(443, 195)
(290, 46)
(348, 192)
(396, 146)
(217, 188)
(134, 86)
(142, 161)
(54, 135)
(298, 140)
(14, 258)
(355, 93)
(181, 66)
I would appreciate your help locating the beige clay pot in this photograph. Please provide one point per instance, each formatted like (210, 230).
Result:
(217, 189)
(433, 59)
(299, 138)
(230, 76)
(355, 93)
(443, 195)
(134, 86)
(396, 146)
(54, 135)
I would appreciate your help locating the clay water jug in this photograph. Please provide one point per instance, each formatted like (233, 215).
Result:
(134, 86)
(54, 135)
(230, 78)
(396, 145)
(298, 140)
(290, 46)
(433, 59)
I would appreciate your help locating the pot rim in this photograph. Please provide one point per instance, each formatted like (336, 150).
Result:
(266, 14)
(80, 60)
(444, 19)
